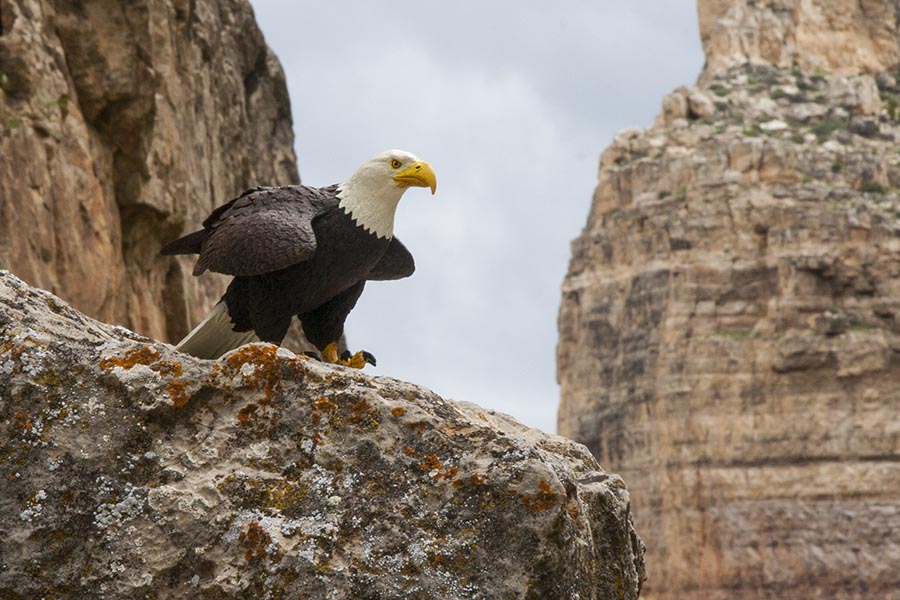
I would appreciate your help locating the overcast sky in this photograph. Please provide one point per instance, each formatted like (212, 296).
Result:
(512, 104)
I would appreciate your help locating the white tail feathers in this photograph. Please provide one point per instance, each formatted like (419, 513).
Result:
(214, 335)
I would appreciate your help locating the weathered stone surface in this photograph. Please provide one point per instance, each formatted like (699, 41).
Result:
(730, 337)
(131, 471)
(846, 37)
(121, 125)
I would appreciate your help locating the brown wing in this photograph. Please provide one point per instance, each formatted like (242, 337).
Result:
(395, 263)
(264, 230)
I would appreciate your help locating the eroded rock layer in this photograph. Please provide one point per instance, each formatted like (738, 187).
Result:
(122, 124)
(130, 470)
(730, 335)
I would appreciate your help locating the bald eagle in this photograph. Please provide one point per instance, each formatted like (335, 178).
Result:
(302, 251)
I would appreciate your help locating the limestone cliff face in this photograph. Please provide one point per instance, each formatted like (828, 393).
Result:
(131, 471)
(838, 36)
(122, 124)
(730, 323)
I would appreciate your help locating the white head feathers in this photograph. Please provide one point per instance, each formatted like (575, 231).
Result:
(371, 194)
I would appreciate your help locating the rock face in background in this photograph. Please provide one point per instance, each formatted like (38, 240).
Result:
(121, 125)
(845, 37)
(131, 471)
(730, 323)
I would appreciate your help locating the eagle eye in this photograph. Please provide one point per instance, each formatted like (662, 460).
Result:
(395, 164)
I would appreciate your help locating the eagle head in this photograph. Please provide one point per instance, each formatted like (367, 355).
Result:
(371, 194)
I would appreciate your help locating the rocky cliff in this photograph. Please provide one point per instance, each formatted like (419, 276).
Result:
(730, 323)
(131, 471)
(122, 124)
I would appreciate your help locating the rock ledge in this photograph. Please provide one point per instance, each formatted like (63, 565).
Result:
(131, 470)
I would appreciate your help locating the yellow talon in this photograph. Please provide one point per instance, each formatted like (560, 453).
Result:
(330, 354)
(357, 361)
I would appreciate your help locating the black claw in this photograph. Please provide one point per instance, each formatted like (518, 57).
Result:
(370, 358)
(345, 355)
(313, 354)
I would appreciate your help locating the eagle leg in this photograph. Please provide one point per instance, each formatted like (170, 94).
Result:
(354, 361)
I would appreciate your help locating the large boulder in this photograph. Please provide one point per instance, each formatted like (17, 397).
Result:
(130, 470)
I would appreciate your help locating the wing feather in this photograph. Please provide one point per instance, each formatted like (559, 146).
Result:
(263, 230)
(395, 263)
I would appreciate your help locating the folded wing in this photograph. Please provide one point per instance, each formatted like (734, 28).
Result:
(263, 230)
(396, 263)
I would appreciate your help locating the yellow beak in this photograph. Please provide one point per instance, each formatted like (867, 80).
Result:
(419, 174)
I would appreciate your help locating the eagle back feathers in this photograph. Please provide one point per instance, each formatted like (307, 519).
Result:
(263, 230)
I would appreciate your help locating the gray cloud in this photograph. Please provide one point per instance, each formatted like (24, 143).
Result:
(512, 104)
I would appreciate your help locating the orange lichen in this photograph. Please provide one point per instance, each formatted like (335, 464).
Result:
(450, 473)
(398, 411)
(178, 393)
(419, 426)
(146, 356)
(265, 373)
(324, 404)
(137, 356)
(544, 499)
(431, 463)
(409, 451)
(246, 414)
(573, 510)
(255, 540)
(168, 368)
(364, 413)
(23, 421)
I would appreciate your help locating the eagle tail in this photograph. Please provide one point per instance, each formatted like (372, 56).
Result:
(214, 335)
(189, 244)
